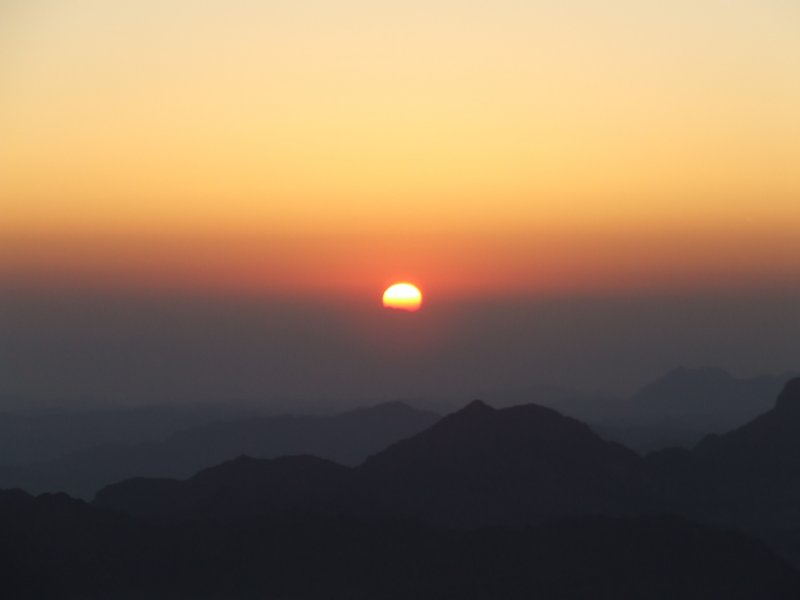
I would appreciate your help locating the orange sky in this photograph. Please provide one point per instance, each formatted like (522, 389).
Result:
(503, 147)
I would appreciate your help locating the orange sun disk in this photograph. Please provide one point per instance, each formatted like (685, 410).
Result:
(402, 296)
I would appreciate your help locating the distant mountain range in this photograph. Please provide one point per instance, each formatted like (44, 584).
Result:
(510, 467)
(709, 397)
(347, 438)
(748, 478)
(511, 503)
(82, 452)
(476, 467)
(705, 399)
(678, 409)
(27, 437)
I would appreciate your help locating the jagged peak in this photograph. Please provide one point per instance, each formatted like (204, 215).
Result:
(477, 406)
(474, 412)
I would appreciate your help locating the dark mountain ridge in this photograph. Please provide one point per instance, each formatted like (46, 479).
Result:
(748, 478)
(678, 408)
(708, 392)
(257, 527)
(479, 466)
(238, 488)
(512, 465)
(347, 438)
(82, 452)
(516, 466)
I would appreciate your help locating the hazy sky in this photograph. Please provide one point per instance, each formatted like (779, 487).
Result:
(305, 154)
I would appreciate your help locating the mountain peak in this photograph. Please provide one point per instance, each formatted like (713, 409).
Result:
(477, 406)
(789, 398)
(474, 414)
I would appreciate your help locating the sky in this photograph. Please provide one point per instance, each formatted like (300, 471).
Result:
(513, 158)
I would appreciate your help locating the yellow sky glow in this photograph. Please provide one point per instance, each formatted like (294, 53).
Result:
(284, 145)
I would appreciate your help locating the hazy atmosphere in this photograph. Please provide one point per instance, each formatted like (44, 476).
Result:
(205, 201)
(97, 349)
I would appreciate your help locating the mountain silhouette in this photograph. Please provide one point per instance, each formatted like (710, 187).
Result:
(482, 466)
(707, 397)
(476, 467)
(514, 465)
(81, 452)
(680, 408)
(483, 503)
(773, 437)
(38, 436)
(749, 477)
(238, 488)
(347, 438)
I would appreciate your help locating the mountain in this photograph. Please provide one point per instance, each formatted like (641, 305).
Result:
(517, 466)
(347, 438)
(484, 503)
(706, 397)
(677, 409)
(749, 477)
(594, 408)
(238, 488)
(772, 438)
(55, 547)
(476, 467)
(521, 464)
(44, 436)
(646, 438)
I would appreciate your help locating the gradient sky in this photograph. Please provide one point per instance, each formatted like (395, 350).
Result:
(314, 149)
(500, 145)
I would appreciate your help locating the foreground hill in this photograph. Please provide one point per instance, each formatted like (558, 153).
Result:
(56, 547)
(476, 467)
(347, 438)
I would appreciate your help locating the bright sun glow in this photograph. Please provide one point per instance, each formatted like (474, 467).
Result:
(403, 296)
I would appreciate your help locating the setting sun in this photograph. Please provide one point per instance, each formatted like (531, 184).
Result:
(402, 296)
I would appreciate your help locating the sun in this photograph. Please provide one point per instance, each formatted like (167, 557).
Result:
(402, 296)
